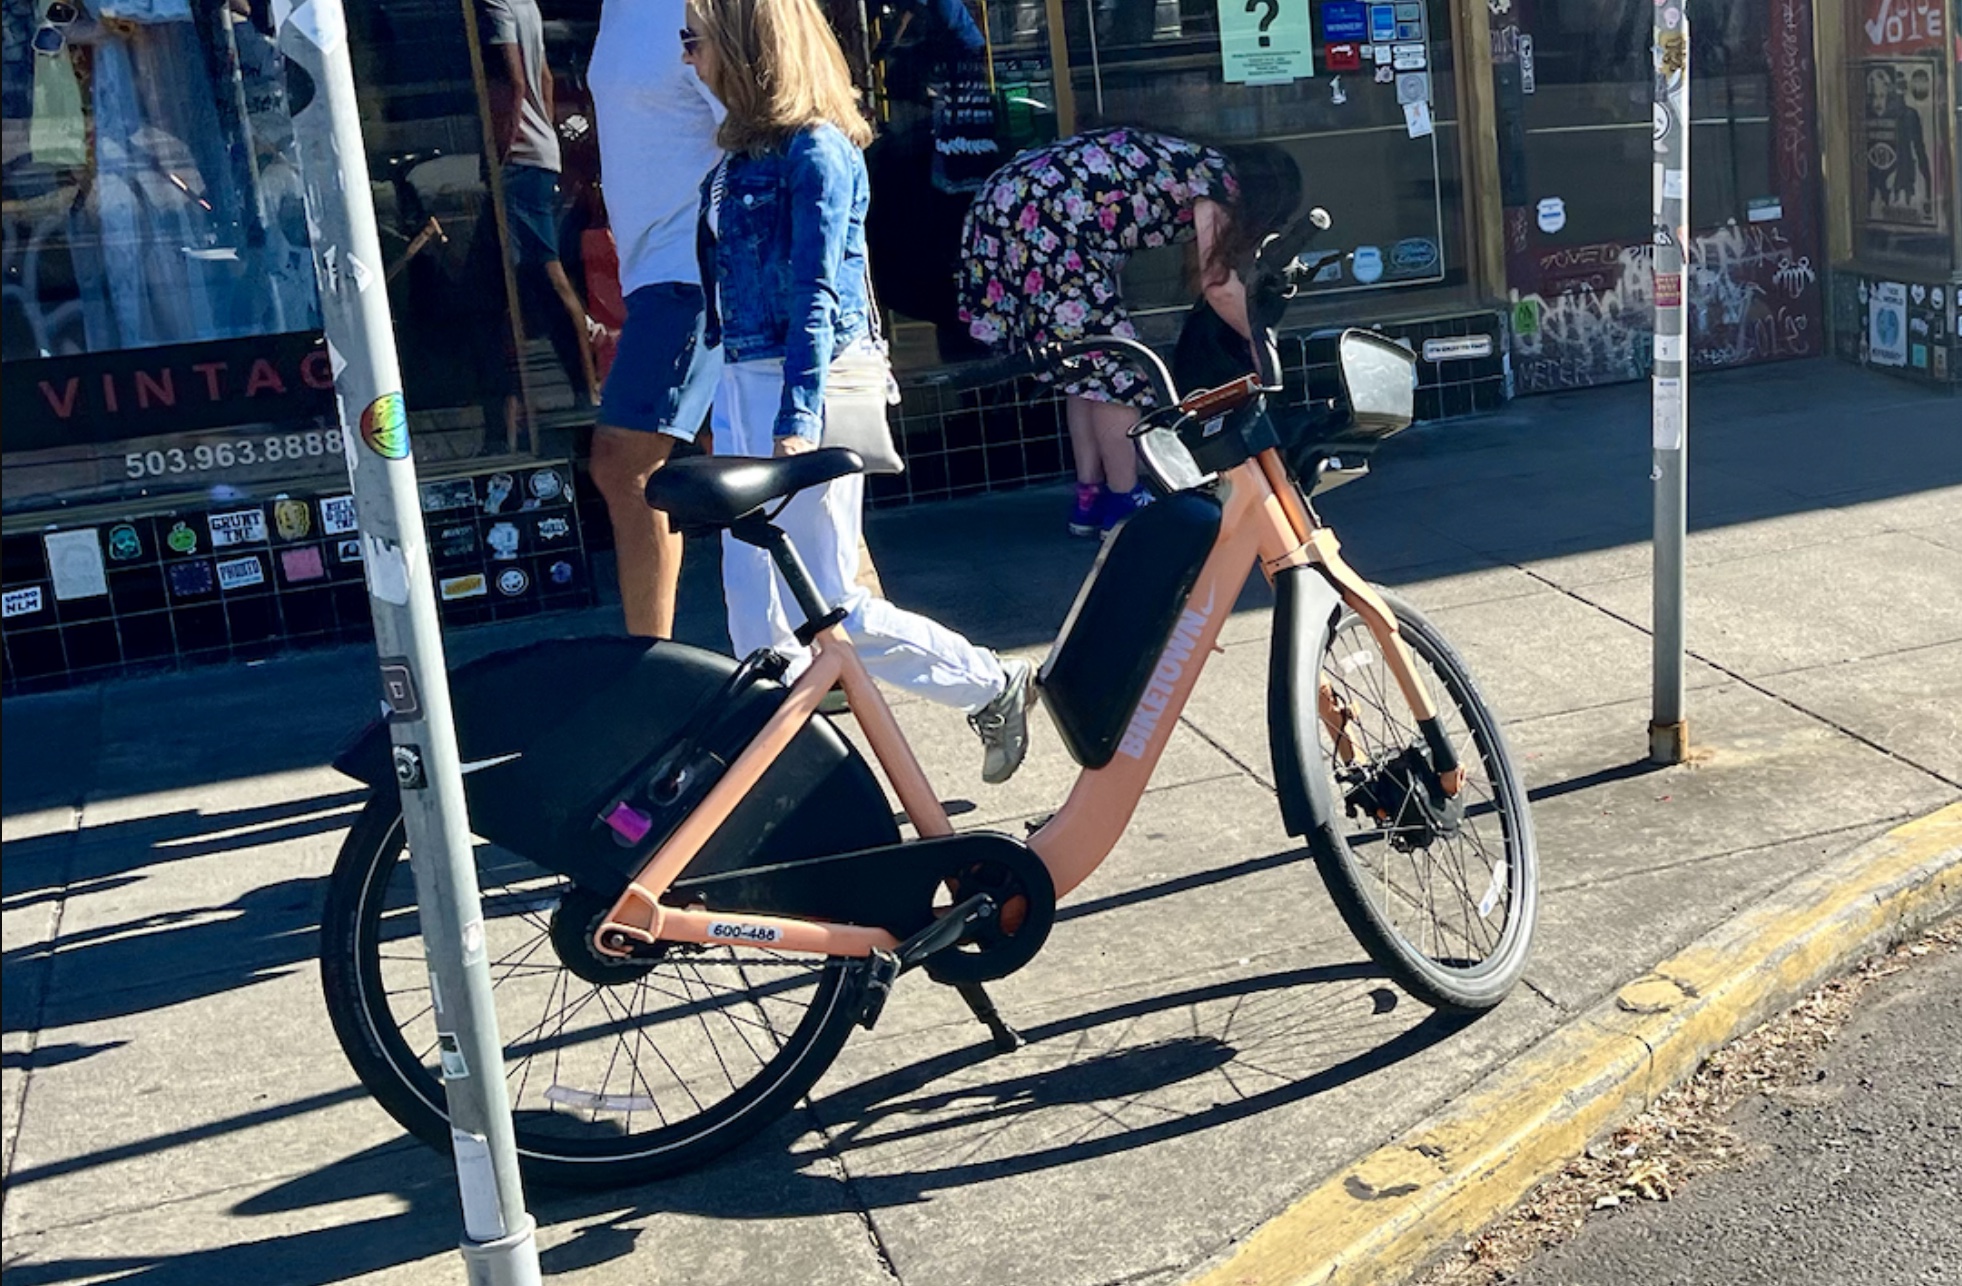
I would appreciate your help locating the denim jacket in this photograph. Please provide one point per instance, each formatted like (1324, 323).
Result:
(788, 254)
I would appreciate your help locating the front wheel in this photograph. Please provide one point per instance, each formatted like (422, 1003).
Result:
(1442, 891)
(618, 1072)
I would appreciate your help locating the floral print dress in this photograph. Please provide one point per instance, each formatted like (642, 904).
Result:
(1049, 233)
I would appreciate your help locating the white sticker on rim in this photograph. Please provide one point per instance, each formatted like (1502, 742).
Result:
(590, 1101)
(1494, 890)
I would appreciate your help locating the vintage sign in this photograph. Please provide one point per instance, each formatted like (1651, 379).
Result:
(142, 392)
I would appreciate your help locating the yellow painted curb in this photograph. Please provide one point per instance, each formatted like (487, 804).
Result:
(1388, 1214)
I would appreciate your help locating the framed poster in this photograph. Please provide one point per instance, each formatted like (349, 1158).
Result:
(1901, 146)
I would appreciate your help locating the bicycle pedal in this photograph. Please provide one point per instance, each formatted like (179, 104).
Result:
(882, 967)
(945, 931)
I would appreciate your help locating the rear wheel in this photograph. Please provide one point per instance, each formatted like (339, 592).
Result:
(617, 1072)
(1442, 891)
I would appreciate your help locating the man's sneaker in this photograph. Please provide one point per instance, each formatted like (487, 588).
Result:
(1004, 724)
(1085, 512)
(1119, 507)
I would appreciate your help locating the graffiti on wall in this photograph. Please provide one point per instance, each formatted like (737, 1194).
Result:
(1584, 314)
(1752, 296)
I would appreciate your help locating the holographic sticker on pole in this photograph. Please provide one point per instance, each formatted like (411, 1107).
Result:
(385, 427)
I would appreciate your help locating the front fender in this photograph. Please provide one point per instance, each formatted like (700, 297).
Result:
(1306, 606)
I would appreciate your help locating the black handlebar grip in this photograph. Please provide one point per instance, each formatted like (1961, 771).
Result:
(996, 370)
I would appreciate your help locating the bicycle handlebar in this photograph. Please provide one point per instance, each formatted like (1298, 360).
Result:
(1028, 361)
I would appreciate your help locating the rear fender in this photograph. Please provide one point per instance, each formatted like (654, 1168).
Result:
(550, 734)
(1306, 606)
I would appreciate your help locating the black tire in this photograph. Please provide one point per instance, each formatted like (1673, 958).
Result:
(651, 1093)
(1449, 916)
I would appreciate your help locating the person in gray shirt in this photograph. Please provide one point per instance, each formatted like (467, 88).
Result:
(527, 141)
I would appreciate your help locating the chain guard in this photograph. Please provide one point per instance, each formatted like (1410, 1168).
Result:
(1025, 910)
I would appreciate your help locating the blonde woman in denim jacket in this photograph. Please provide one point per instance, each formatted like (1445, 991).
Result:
(782, 248)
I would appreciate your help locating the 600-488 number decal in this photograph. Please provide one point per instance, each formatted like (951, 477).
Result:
(205, 457)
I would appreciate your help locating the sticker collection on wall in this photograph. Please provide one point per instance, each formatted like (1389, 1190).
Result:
(244, 580)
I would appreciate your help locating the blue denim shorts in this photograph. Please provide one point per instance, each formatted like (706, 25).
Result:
(531, 212)
(662, 379)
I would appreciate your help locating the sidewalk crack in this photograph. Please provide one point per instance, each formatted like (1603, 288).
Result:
(1231, 758)
(856, 1203)
(1750, 683)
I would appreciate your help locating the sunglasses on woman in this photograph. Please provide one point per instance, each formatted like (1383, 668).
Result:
(690, 42)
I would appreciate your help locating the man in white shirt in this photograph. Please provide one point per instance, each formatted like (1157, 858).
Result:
(657, 124)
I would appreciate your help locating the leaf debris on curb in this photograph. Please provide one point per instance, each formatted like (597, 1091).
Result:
(1683, 1134)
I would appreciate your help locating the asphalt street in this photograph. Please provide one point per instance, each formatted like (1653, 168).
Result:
(1853, 1178)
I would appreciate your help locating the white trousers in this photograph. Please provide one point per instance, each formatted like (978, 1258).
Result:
(898, 647)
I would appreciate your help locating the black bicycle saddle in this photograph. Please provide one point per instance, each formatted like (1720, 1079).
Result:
(718, 491)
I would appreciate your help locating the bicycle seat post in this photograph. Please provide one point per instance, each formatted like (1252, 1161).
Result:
(818, 614)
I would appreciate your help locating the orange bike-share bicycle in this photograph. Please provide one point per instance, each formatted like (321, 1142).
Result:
(694, 887)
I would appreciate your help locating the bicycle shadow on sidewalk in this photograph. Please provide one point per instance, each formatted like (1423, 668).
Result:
(171, 955)
(1270, 1040)
(1109, 1080)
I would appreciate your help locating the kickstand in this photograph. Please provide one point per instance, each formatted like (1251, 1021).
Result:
(1007, 1039)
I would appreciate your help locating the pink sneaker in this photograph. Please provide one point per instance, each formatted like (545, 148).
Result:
(1084, 514)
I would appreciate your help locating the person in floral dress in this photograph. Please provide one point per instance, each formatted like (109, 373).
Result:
(1048, 236)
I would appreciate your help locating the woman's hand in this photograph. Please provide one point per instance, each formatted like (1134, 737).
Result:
(794, 445)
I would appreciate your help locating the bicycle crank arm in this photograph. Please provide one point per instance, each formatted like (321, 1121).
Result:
(884, 967)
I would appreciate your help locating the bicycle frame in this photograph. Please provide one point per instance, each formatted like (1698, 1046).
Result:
(1265, 522)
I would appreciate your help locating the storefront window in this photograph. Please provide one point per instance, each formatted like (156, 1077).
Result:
(175, 484)
(959, 87)
(157, 273)
(1574, 89)
(160, 322)
(1363, 95)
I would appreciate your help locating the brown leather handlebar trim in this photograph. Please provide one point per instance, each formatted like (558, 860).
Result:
(1216, 401)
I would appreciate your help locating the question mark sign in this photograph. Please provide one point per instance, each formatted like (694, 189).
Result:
(1273, 11)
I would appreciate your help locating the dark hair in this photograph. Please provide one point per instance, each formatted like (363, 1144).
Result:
(1270, 191)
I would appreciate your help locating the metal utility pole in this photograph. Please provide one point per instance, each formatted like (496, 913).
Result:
(1669, 382)
(498, 1245)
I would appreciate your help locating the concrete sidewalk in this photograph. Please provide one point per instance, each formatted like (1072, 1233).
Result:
(1208, 1043)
